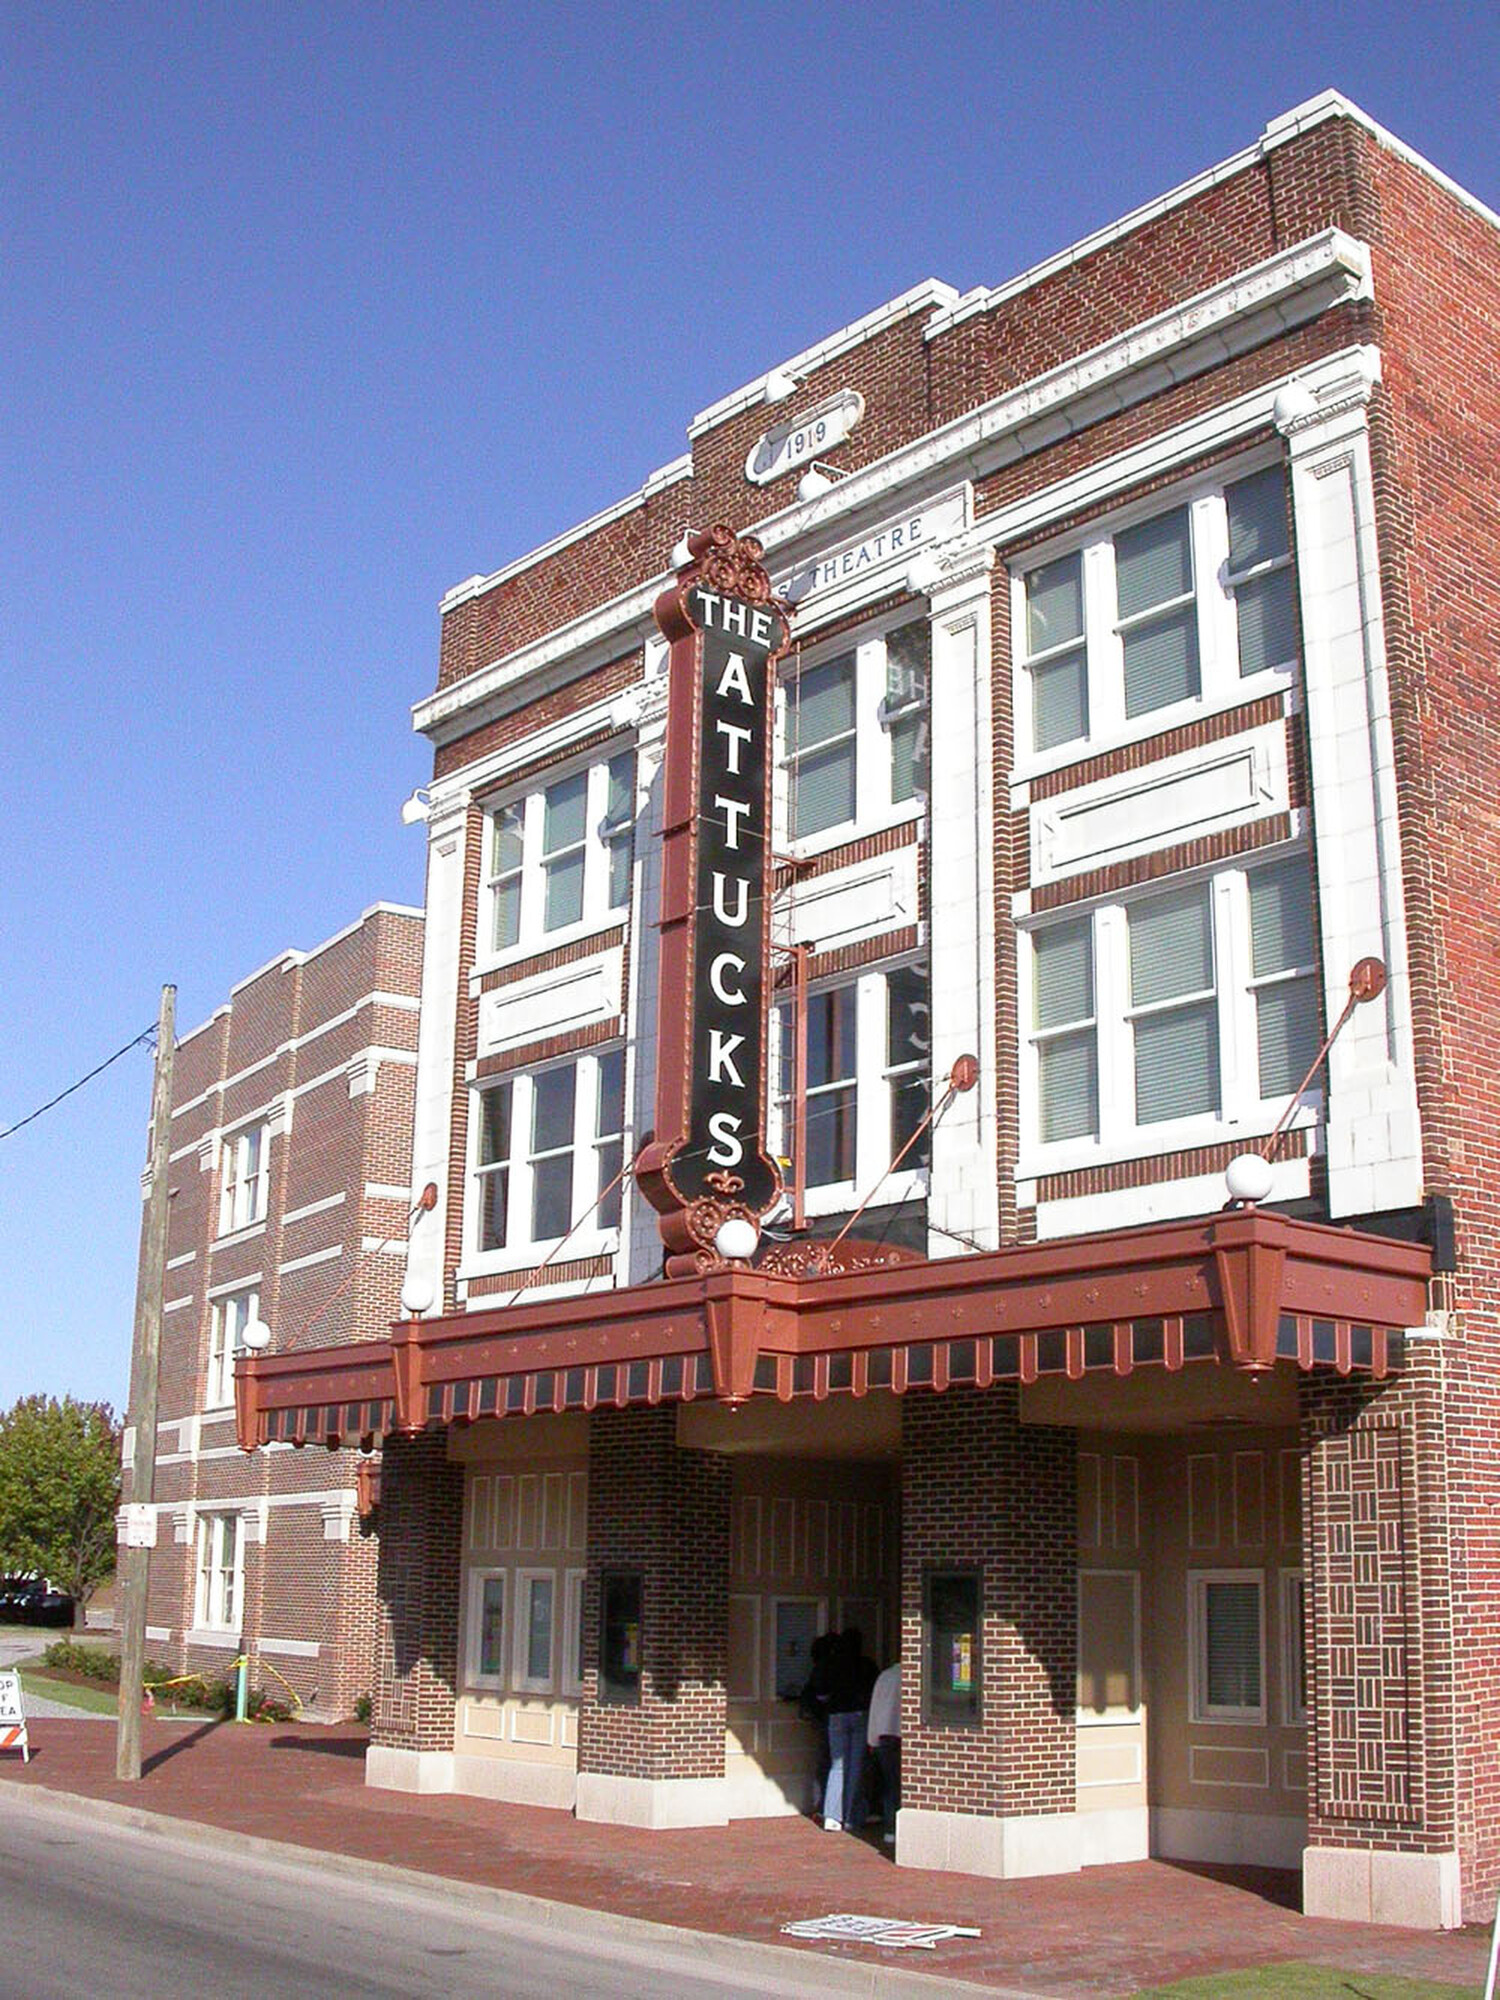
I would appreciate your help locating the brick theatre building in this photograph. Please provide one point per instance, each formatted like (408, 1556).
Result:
(858, 947)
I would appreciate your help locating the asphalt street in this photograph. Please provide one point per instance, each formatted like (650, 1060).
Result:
(88, 1906)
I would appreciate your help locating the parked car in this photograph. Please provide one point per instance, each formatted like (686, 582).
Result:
(31, 1600)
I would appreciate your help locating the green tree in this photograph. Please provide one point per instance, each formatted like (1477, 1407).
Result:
(59, 1491)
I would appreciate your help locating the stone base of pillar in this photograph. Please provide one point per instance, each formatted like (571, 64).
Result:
(511, 1780)
(392, 1770)
(652, 1802)
(1420, 1892)
(976, 1844)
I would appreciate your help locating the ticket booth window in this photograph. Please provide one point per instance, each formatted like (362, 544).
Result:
(620, 1639)
(951, 1652)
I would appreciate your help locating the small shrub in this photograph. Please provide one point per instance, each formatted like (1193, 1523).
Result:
(364, 1708)
(90, 1663)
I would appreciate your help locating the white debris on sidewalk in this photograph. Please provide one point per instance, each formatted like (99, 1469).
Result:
(845, 1928)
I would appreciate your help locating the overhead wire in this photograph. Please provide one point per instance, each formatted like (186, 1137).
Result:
(146, 1035)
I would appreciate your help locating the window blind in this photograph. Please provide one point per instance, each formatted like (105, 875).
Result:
(1231, 1641)
(1257, 518)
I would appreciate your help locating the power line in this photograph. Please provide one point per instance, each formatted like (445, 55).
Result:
(135, 1042)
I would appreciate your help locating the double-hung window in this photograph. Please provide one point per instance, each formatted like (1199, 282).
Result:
(549, 1145)
(1156, 617)
(1163, 1018)
(229, 1317)
(1226, 1616)
(244, 1178)
(855, 735)
(220, 1572)
(867, 1083)
(557, 859)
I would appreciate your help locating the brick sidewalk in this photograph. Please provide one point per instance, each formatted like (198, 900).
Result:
(1107, 1931)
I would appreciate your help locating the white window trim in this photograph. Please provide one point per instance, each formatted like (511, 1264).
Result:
(1293, 1657)
(242, 1202)
(1242, 1111)
(599, 915)
(474, 1628)
(1220, 684)
(522, 1681)
(1197, 1625)
(570, 1682)
(208, 1588)
(873, 807)
(872, 1128)
(219, 1386)
(520, 1250)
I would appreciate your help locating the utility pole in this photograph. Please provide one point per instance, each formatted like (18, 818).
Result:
(135, 1562)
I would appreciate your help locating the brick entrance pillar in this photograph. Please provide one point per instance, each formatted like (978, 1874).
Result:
(980, 1491)
(663, 1514)
(1382, 1807)
(417, 1590)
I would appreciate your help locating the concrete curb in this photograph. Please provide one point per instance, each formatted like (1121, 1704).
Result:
(778, 1963)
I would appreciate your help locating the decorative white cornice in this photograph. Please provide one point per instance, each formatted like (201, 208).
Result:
(953, 570)
(1305, 405)
(648, 707)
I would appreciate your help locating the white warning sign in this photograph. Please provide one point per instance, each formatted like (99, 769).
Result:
(13, 1715)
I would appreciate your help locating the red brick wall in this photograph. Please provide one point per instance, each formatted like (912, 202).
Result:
(1436, 447)
(421, 1540)
(979, 1491)
(665, 1513)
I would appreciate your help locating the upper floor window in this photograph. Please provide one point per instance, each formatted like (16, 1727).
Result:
(558, 858)
(855, 730)
(868, 1079)
(244, 1178)
(229, 1318)
(1176, 608)
(1195, 1003)
(549, 1150)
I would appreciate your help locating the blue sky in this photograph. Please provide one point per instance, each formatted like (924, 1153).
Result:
(309, 312)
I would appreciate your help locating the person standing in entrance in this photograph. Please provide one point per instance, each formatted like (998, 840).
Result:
(847, 1722)
(884, 1739)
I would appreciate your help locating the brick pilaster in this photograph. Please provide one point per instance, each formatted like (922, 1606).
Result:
(664, 1512)
(421, 1536)
(1380, 1622)
(983, 1491)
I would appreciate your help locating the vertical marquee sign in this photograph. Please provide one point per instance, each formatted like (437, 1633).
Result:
(708, 1164)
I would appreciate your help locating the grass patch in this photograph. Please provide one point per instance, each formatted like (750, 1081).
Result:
(1303, 1981)
(88, 1700)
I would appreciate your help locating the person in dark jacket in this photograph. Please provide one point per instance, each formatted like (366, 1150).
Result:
(848, 1702)
(812, 1703)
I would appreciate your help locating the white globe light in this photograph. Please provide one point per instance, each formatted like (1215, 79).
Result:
(1248, 1177)
(418, 1292)
(255, 1335)
(736, 1239)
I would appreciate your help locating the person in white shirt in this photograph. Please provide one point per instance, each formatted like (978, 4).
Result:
(884, 1738)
